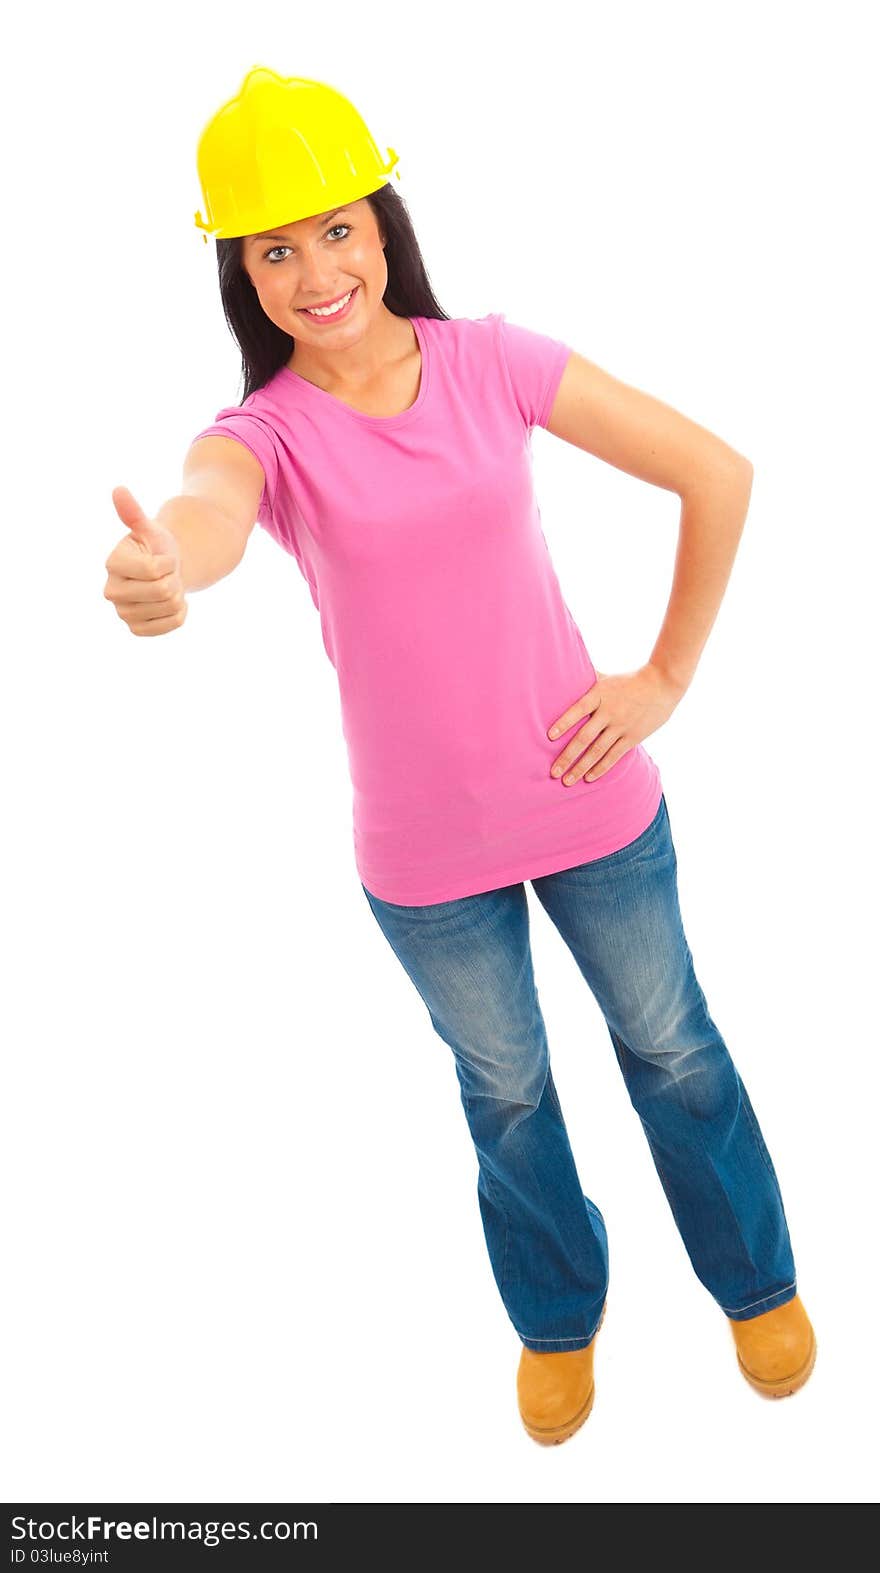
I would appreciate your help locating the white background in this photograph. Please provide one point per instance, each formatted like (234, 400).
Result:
(245, 1259)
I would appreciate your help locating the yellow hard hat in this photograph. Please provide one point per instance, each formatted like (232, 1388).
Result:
(283, 149)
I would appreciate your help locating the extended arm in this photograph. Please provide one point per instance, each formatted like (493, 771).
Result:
(215, 511)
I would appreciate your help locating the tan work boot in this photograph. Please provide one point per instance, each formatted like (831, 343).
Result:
(555, 1390)
(776, 1350)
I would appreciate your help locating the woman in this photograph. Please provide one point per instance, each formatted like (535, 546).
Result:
(386, 447)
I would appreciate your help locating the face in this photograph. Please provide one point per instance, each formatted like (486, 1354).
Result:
(317, 260)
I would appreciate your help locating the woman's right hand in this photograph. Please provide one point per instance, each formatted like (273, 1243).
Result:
(143, 571)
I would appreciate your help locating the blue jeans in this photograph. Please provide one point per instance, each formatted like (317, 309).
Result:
(471, 962)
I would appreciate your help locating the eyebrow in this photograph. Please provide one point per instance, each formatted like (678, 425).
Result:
(321, 218)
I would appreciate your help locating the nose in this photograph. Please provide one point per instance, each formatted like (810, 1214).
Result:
(312, 281)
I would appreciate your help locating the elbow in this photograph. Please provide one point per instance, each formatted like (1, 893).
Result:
(727, 479)
(748, 470)
(738, 474)
(742, 466)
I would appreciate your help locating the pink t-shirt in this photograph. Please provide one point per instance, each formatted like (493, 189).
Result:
(420, 539)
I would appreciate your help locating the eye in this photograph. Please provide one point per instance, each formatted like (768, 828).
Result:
(267, 255)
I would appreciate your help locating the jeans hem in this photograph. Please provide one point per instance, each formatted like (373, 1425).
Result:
(561, 1345)
(758, 1307)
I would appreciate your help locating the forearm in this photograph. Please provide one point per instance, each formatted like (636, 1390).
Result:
(711, 523)
(210, 544)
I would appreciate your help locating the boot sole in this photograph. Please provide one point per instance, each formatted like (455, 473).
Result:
(549, 1436)
(786, 1385)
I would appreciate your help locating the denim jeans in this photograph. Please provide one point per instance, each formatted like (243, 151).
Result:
(470, 960)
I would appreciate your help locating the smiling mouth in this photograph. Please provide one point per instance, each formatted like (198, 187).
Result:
(340, 303)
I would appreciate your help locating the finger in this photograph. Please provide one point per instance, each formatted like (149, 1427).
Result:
(617, 752)
(145, 612)
(574, 749)
(587, 703)
(159, 625)
(589, 760)
(143, 566)
(137, 590)
(130, 511)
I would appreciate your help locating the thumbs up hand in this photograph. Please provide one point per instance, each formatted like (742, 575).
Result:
(143, 571)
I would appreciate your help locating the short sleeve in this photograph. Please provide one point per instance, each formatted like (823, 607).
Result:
(534, 363)
(256, 435)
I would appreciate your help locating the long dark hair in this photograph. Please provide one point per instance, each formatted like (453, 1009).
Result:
(265, 347)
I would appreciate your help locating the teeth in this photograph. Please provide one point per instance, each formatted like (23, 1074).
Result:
(329, 311)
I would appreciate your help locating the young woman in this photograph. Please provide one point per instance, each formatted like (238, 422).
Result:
(386, 447)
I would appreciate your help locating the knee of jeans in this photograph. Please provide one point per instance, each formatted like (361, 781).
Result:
(662, 1016)
(507, 1070)
(494, 1117)
(692, 1067)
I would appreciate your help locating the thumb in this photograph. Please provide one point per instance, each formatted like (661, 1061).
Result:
(154, 536)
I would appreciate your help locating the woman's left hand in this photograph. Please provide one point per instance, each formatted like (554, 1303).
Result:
(622, 710)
